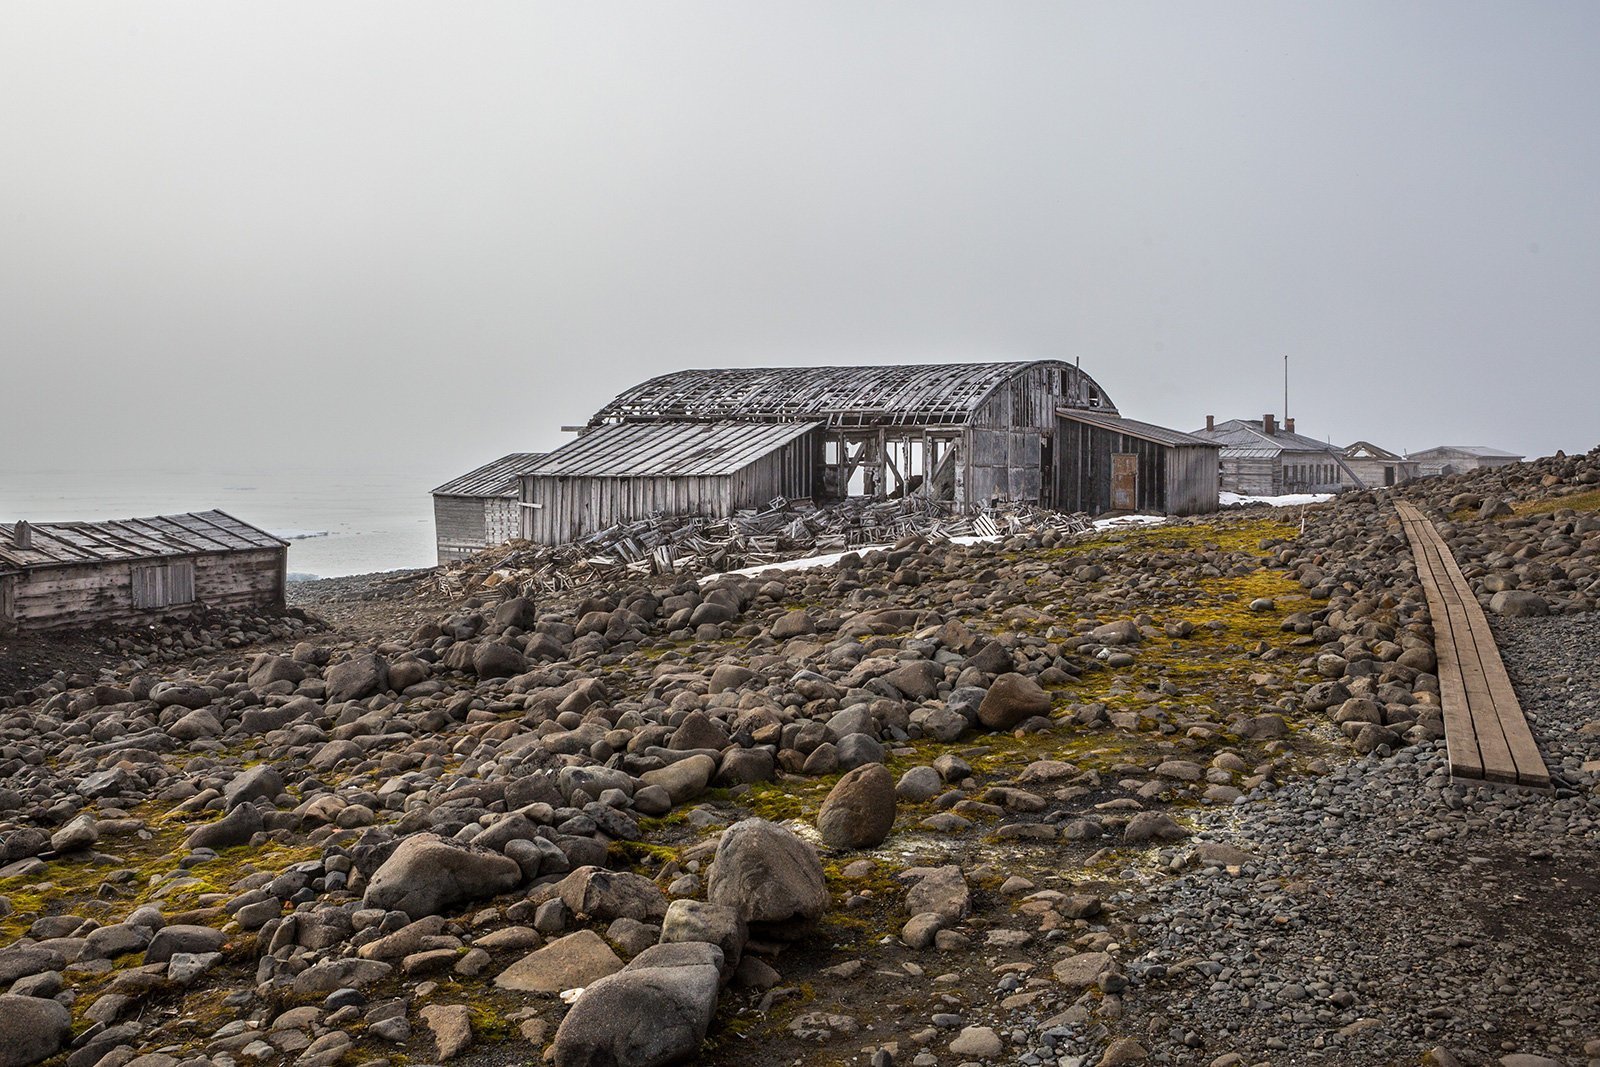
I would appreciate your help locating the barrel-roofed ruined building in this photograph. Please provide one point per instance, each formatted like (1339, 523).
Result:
(683, 443)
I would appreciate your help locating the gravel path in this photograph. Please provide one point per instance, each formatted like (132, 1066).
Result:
(1391, 912)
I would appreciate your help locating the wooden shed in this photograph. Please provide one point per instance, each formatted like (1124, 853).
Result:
(1458, 459)
(971, 433)
(1108, 463)
(636, 470)
(82, 573)
(479, 509)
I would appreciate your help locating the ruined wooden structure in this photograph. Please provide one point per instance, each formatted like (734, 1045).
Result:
(1374, 466)
(1261, 457)
(1486, 734)
(627, 471)
(966, 432)
(82, 573)
(1108, 463)
(479, 509)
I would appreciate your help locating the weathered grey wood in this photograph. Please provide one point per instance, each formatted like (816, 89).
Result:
(1486, 732)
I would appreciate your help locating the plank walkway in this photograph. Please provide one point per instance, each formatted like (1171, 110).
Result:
(1485, 731)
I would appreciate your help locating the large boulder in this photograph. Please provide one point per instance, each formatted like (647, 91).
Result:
(691, 921)
(1518, 603)
(941, 891)
(261, 782)
(571, 962)
(683, 780)
(1012, 699)
(426, 875)
(491, 659)
(268, 669)
(596, 893)
(639, 1017)
(235, 828)
(35, 1029)
(519, 611)
(769, 877)
(859, 811)
(357, 677)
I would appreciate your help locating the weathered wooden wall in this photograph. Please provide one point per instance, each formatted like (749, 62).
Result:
(464, 526)
(1251, 475)
(85, 594)
(1171, 480)
(1011, 431)
(571, 507)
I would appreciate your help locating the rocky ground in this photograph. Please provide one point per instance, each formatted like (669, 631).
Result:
(1172, 795)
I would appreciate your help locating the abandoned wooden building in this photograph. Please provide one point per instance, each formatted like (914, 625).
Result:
(479, 509)
(1458, 459)
(1261, 458)
(82, 573)
(964, 432)
(1108, 463)
(1373, 466)
(628, 471)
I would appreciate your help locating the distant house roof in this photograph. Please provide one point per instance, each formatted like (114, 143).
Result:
(1368, 450)
(904, 394)
(1481, 451)
(123, 540)
(1249, 433)
(668, 449)
(1145, 431)
(498, 478)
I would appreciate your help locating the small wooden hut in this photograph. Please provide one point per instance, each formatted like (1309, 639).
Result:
(479, 509)
(60, 574)
(1108, 463)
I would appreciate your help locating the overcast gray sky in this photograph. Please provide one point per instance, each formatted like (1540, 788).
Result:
(431, 233)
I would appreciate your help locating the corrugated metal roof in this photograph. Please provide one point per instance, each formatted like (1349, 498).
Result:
(1249, 433)
(498, 478)
(119, 540)
(667, 449)
(942, 394)
(1145, 431)
(1251, 453)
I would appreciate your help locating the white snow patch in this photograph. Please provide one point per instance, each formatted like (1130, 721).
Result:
(1130, 520)
(1289, 501)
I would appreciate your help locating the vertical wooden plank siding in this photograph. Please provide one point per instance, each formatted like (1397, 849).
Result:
(8, 598)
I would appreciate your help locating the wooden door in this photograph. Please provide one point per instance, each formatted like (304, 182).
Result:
(8, 602)
(1124, 481)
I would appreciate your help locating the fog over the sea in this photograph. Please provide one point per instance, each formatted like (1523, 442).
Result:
(421, 235)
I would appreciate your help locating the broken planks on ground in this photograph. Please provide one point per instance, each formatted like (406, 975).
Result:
(1486, 733)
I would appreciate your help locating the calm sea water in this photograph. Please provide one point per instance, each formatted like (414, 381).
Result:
(338, 522)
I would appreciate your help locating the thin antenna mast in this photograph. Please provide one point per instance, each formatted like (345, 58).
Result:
(1285, 388)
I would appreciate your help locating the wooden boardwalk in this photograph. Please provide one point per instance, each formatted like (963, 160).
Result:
(1485, 731)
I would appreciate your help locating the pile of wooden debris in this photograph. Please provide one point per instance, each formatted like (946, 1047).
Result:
(787, 529)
